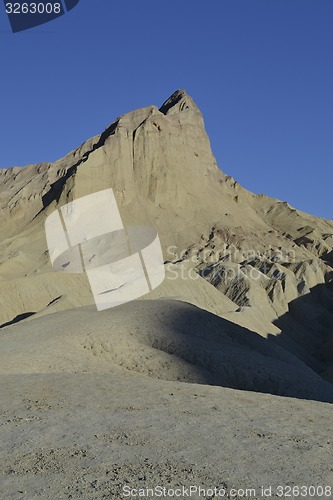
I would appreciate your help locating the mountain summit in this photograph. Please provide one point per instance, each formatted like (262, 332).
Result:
(177, 102)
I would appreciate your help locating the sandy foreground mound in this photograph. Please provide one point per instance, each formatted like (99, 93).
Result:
(164, 339)
(83, 415)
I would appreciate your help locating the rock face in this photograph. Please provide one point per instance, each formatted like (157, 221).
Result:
(250, 259)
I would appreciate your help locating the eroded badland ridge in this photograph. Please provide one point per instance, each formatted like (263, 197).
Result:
(257, 262)
(92, 401)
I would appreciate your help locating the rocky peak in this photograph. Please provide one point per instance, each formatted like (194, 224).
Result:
(179, 101)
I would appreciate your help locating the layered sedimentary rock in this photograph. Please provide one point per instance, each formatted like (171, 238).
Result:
(250, 259)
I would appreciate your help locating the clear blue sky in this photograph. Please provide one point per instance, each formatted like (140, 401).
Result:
(261, 72)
